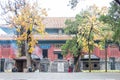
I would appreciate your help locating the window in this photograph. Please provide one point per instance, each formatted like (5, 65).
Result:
(58, 45)
(52, 31)
(60, 31)
(86, 65)
(95, 65)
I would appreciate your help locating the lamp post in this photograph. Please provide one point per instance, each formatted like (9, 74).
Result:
(106, 54)
(90, 67)
(107, 42)
(106, 45)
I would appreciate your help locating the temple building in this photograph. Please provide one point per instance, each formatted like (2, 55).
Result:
(49, 45)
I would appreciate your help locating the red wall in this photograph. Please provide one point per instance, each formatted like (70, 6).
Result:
(51, 55)
(9, 52)
(111, 52)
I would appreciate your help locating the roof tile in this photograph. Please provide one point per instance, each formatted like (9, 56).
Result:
(55, 22)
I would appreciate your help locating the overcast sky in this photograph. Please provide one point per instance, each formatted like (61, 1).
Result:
(59, 8)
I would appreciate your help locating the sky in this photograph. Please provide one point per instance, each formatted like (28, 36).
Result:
(60, 8)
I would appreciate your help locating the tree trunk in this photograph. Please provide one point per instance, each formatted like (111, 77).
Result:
(77, 64)
(22, 50)
(28, 56)
(89, 48)
(22, 44)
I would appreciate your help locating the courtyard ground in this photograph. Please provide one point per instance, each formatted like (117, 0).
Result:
(60, 76)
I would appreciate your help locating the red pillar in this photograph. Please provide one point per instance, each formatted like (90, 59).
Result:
(50, 51)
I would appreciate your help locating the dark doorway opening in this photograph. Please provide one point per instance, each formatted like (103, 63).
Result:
(2, 61)
(45, 53)
(19, 65)
(60, 56)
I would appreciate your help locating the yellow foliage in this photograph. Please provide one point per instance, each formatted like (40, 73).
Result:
(96, 45)
(24, 36)
(31, 49)
(18, 29)
(90, 22)
(31, 26)
(43, 11)
(29, 17)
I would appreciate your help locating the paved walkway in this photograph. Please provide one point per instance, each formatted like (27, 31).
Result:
(59, 76)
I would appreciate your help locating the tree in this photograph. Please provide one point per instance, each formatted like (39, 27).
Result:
(73, 3)
(93, 29)
(25, 17)
(87, 29)
(113, 19)
(118, 1)
(71, 46)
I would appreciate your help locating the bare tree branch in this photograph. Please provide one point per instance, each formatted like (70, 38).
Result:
(11, 7)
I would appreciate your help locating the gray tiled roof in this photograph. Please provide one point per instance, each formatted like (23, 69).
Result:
(55, 22)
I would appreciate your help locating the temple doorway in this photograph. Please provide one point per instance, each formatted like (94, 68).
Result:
(45, 53)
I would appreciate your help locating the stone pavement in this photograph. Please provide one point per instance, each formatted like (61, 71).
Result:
(60, 76)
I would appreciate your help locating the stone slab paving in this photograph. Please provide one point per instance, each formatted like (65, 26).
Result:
(59, 76)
